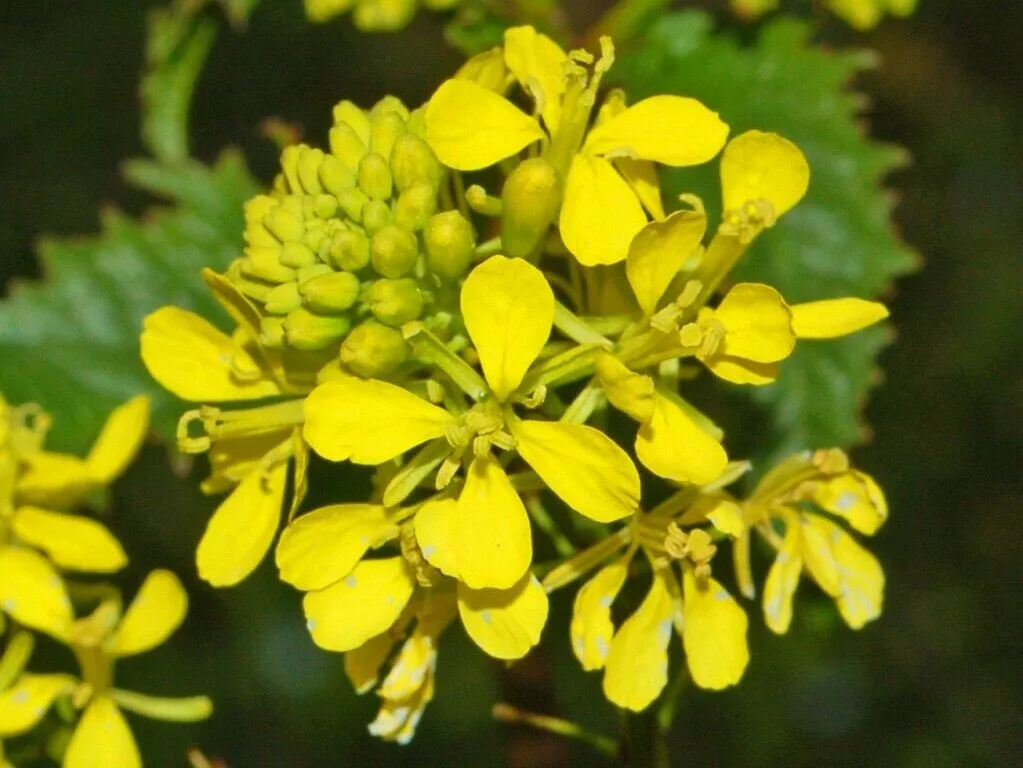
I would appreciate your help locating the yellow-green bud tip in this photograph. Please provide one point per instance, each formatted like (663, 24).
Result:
(373, 350)
(395, 302)
(531, 197)
(449, 240)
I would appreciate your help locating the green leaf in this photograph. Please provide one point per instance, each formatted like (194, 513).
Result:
(838, 242)
(70, 342)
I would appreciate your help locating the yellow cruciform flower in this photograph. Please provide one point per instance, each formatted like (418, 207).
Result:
(102, 736)
(508, 310)
(471, 127)
(32, 480)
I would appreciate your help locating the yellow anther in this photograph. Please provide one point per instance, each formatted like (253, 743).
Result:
(536, 397)
(482, 203)
(666, 319)
(690, 335)
(689, 294)
(187, 443)
(713, 336)
(831, 461)
(446, 472)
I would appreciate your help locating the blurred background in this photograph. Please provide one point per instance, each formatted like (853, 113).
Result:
(935, 682)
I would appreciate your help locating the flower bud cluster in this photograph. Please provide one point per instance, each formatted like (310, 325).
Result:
(349, 244)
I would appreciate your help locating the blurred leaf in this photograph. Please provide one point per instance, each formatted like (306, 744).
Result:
(178, 42)
(838, 242)
(70, 342)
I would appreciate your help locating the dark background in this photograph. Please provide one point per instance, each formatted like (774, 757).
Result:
(934, 683)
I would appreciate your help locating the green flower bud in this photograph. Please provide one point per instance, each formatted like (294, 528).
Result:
(283, 298)
(289, 167)
(375, 177)
(346, 145)
(308, 273)
(415, 206)
(383, 15)
(373, 350)
(346, 112)
(255, 209)
(272, 332)
(389, 104)
(309, 161)
(376, 214)
(531, 197)
(412, 162)
(313, 238)
(297, 255)
(352, 201)
(393, 251)
(386, 129)
(450, 241)
(395, 302)
(324, 205)
(331, 292)
(307, 331)
(335, 175)
(265, 264)
(252, 289)
(349, 250)
(286, 226)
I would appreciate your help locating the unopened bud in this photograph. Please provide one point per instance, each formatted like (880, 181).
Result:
(375, 177)
(283, 299)
(272, 332)
(413, 162)
(256, 208)
(415, 206)
(308, 273)
(352, 202)
(376, 214)
(393, 251)
(332, 292)
(346, 145)
(289, 167)
(347, 113)
(308, 331)
(450, 241)
(297, 255)
(395, 302)
(324, 205)
(373, 350)
(389, 104)
(386, 128)
(287, 227)
(349, 250)
(265, 264)
(309, 161)
(486, 69)
(335, 175)
(531, 197)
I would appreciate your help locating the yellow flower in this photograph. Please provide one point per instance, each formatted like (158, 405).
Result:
(249, 449)
(812, 543)
(32, 480)
(471, 127)
(373, 15)
(102, 735)
(508, 310)
(711, 624)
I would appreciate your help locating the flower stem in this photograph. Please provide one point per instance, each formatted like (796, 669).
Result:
(643, 744)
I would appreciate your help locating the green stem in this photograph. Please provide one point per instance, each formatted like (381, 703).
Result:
(671, 699)
(643, 744)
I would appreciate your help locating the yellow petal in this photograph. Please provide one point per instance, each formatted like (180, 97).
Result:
(628, 391)
(195, 361)
(860, 578)
(368, 421)
(324, 545)
(659, 251)
(242, 528)
(397, 719)
(508, 309)
(492, 542)
(674, 447)
(32, 593)
(54, 479)
(831, 318)
(26, 702)
(637, 664)
(157, 610)
(758, 324)
(581, 465)
(782, 580)
(471, 127)
(641, 175)
(726, 516)
(362, 605)
(600, 213)
(120, 440)
(673, 130)
(818, 557)
(591, 628)
(362, 664)
(538, 63)
(855, 497)
(434, 524)
(506, 623)
(739, 371)
(102, 738)
(73, 542)
(763, 166)
(713, 634)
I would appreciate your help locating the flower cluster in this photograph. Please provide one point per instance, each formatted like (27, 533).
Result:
(860, 14)
(374, 15)
(39, 540)
(475, 350)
